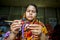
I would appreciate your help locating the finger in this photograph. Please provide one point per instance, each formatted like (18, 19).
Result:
(15, 29)
(36, 32)
(17, 25)
(17, 21)
(34, 25)
(34, 28)
(14, 25)
(26, 25)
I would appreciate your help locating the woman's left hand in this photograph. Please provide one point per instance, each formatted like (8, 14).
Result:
(35, 28)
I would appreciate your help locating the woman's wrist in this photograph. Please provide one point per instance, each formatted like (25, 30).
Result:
(12, 35)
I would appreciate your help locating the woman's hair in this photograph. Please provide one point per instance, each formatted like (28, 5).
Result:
(32, 5)
(24, 16)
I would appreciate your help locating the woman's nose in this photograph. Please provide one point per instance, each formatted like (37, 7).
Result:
(30, 12)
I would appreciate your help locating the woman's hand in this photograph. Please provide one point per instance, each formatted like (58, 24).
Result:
(35, 28)
(15, 26)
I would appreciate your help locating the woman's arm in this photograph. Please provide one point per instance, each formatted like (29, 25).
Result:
(11, 36)
(14, 27)
(43, 37)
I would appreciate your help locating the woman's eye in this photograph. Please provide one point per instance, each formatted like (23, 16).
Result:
(33, 11)
(28, 11)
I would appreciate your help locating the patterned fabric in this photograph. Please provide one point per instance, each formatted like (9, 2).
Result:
(28, 33)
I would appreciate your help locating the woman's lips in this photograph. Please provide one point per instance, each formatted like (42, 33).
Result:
(29, 16)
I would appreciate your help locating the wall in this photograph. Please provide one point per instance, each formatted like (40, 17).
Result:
(46, 15)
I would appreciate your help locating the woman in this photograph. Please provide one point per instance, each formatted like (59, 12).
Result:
(33, 29)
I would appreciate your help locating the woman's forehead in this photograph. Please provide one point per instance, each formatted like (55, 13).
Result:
(31, 7)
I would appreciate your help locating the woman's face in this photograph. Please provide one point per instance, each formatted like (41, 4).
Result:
(31, 12)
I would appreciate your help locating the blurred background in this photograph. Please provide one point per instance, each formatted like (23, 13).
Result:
(48, 13)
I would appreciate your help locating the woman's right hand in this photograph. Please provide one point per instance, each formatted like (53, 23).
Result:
(15, 26)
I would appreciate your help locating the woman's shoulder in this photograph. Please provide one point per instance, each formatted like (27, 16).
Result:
(44, 29)
(41, 23)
